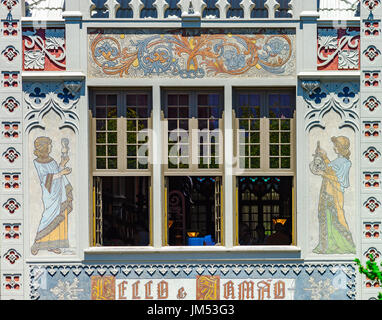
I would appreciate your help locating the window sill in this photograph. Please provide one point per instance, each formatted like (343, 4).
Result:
(184, 249)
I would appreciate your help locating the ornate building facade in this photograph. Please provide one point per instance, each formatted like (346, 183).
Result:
(197, 150)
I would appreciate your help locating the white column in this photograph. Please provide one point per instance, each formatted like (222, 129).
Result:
(228, 172)
(157, 186)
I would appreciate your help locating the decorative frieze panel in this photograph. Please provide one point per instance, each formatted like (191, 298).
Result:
(338, 49)
(11, 206)
(191, 54)
(10, 105)
(11, 167)
(372, 180)
(12, 256)
(371, 28)
(371, 129)
(372, 230)
(183, 9)
(62, 97)
(372, 78)
(341, 97)
(10, 79)
(372, 53)
(10, 53)
(372, 155)
(192, 282)
(10, 28)
(371, 92)
(44, 49)
(11, 157)
(371, 204)
(11, 181)
(12, 283)
(11, 231)
(10, 131)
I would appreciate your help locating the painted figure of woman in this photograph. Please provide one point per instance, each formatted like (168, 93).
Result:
(52, 233)
(334, 234)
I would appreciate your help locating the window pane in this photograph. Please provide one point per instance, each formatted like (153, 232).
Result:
(125, 211)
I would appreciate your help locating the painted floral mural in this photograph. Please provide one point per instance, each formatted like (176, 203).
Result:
(191, 54)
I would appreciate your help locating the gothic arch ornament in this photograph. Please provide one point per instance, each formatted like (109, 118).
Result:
(322, 97)
(60, 97)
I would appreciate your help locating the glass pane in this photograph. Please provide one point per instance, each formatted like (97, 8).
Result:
(112, 112)
(274, 163)
(112, 163)
(131, 125)
(131, 163)
(101, 163)
(285, 163)
(112, 137)
(112, 125)
(285, 150)
(100, 125)
(274, 125)
(131, 100)
(100, 100)
(255, 163)
(101, 112)
(131, 137)
(131, 113)
(101, 150)
(255, 137)
(112, 100)
(274, 150)
(274, 137)
(100, 137)
(112, 151)
(131, 150)
(285, 137)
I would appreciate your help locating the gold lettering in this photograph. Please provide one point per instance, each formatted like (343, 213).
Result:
(162, 290)
(246, 290)
(264, 288)
(121, 290)
(135, 288)
(148, 290)
(279, 289)
(229, 290)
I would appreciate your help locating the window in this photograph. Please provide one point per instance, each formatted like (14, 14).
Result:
(194, 123)
(193, 211)
(264, 126)
(265, 209)
(265, 150)
(120, 124)
(122, 211)
(193, 120)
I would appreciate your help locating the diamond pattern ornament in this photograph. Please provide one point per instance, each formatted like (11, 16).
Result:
(187, 270)
(126, 270)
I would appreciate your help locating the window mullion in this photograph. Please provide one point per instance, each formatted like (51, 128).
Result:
(264, 144)
(122, 143)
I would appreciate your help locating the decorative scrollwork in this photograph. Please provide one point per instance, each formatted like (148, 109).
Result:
(190, 56)
(341, 44)
(61, 97)
(343, 98)
(44, 44)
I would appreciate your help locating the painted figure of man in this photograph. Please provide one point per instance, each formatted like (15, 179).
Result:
(334, 234)
(52, 233)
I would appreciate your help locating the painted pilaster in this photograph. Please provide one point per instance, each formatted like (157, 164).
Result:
(12, 211)
(371, 146)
